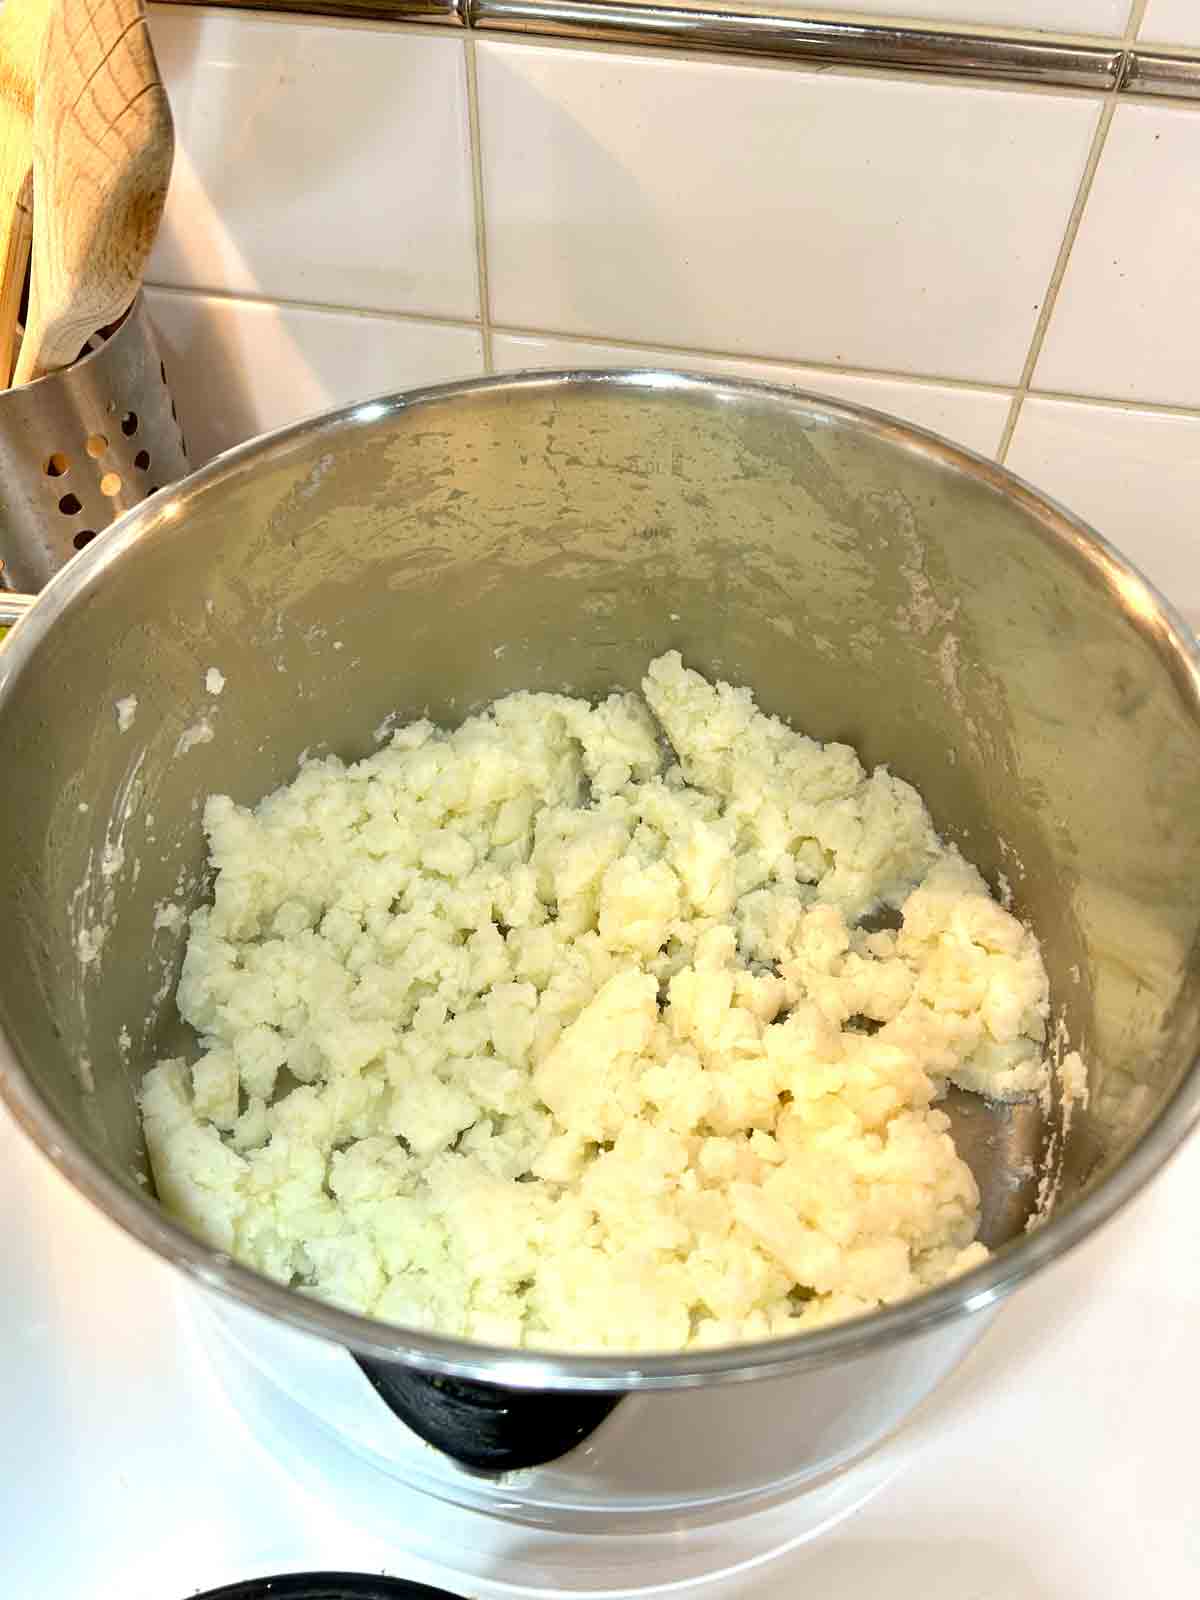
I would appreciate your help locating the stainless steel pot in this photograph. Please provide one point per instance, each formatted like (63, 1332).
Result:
(431, 551)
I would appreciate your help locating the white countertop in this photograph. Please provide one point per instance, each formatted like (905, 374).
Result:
(1058, 1463)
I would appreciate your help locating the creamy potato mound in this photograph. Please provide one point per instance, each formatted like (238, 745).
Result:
(553, 1031)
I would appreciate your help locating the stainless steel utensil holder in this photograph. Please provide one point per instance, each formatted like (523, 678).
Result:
(13, 607)
(79, 447)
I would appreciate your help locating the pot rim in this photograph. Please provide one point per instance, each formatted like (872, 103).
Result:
(982, 1286)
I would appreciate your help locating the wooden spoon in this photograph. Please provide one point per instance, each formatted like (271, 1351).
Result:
(103, 143)
(22, 25)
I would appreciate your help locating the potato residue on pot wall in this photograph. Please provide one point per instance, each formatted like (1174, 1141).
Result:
(541, 1032)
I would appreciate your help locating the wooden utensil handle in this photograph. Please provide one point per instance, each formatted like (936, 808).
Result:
(14, 262)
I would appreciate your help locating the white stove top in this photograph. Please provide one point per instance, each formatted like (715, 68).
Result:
(1058, 1463)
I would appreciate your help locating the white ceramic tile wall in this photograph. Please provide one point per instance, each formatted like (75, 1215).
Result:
(768, 212)
(1126, 322)
(1135, 475)
(317, 162)
(974, 417)
(1073, 16)
(888, 240)
(242, 367)
(1171, 22)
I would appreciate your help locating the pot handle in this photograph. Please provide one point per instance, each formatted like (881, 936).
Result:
(484, 1427)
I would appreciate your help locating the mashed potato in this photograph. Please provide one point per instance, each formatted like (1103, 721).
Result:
(541, 1032)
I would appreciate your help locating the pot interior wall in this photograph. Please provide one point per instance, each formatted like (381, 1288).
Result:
(423, 558)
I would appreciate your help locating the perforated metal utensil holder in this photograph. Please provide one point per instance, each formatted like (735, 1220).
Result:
(81, 446)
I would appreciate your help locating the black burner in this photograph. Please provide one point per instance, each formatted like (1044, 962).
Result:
(326, 1586)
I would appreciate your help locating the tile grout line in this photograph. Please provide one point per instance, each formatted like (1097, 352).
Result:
(885, 374)
(251, 297)
(1050, 298)
(1133, 23)
(1158, 408)
(481, 254)
(322, 307)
